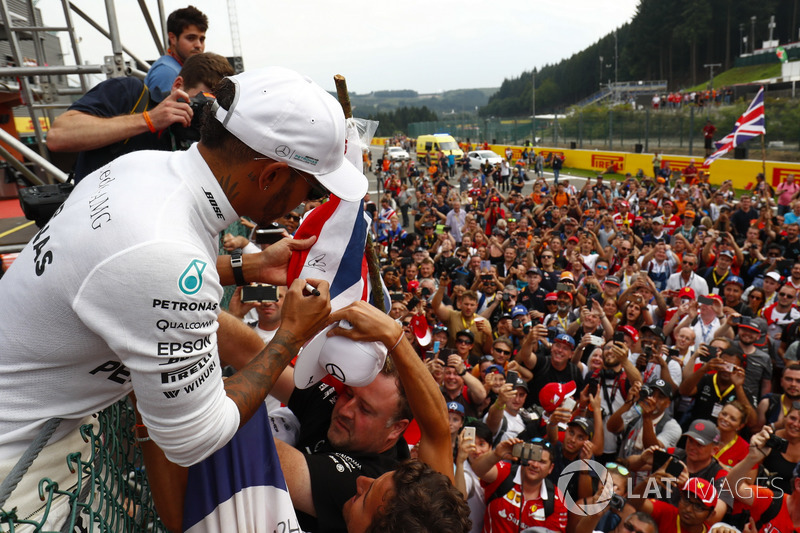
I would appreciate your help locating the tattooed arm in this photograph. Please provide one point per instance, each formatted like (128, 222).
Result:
(303, 316)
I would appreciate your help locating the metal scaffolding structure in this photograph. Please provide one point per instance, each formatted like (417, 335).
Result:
(36, 78)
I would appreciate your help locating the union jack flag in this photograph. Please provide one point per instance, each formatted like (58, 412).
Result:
(750, 124)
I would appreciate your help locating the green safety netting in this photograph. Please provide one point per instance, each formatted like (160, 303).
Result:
(111, 494)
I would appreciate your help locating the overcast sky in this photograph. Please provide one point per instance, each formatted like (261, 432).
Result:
(377, 45)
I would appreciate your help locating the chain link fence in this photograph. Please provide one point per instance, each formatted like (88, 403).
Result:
(111, 492)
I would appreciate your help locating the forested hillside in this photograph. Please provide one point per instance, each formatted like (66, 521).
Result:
(666, 40)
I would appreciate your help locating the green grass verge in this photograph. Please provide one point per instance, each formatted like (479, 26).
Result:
(741, 75)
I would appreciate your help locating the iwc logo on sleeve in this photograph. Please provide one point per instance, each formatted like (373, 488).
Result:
(192, 278)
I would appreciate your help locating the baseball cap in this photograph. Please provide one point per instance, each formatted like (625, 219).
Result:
(631, 332)
(567, 275)
(285, 116)
(663, 387)
(566, 339)
(654, 330)
(703, 489)
(774, 275)
(494, 369)
(421, 331)
(518, 311)
(521, 384)
(354, 363)
(747, 323)
(551, 297)
(412, 285)
(584, 423)
(726, 253)
(686, 292)
(573, 239)
(613, 280)
(704, 432)
(466, 333)
(554, 393)
(735, 279)
(534, 270)
(658, 220)
(455, 407)
(689, 213)
(569, 294)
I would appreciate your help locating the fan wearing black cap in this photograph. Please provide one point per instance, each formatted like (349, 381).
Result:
(649, 424)
(718, 381)
(533, 295)
(758, 367)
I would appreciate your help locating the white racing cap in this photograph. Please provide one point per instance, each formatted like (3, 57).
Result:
(354, 363)
(287, 117)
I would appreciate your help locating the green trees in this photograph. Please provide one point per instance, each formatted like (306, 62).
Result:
(666, 40)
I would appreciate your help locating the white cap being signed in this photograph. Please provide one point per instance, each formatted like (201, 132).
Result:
(352, 362)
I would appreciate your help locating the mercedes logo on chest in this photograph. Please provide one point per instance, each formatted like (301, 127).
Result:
(283, 150)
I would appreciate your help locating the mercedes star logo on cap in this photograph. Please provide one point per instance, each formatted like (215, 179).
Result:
(283, 150)
(335, 371)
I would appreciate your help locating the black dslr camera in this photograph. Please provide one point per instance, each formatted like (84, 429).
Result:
(185, 137)
(645, 392)
(776, 443)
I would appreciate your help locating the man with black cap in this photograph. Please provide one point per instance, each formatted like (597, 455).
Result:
(718, 381)
(533, 295)
(702, 442)
(649, 424)
(758, 367)
(653, 359)
(577, 443)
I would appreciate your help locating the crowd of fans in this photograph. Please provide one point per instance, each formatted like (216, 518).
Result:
(622, 321)
(650, 324)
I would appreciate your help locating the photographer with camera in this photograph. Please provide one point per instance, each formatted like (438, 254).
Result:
(521, 469)
(718, 380)
(118, 116)
(643, 420)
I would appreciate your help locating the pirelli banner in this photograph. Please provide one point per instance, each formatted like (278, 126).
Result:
(740, 171)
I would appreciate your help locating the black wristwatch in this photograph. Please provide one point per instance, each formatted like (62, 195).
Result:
(236, 265)
(463, 371)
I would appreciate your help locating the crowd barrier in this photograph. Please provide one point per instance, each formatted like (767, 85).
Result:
(742, 172)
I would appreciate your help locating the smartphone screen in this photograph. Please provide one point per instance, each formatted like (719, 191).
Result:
(511, 377)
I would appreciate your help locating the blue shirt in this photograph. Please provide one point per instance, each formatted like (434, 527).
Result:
(161, 76)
